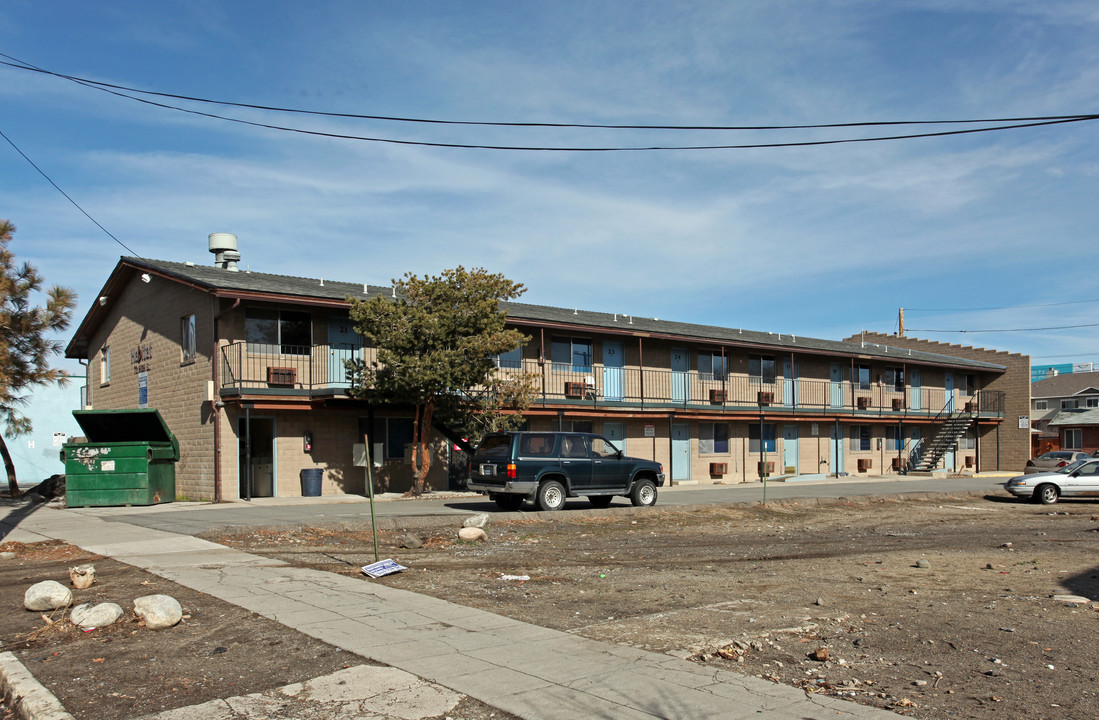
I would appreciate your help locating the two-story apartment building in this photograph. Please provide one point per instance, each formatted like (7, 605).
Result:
(248, 371)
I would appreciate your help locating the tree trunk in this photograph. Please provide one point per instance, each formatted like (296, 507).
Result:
(421, 448)
(9, 466)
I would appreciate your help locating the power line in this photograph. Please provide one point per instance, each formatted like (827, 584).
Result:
(742, 146)
(1006, 330)
(1006, 307)
(75, 204)
(23, 65)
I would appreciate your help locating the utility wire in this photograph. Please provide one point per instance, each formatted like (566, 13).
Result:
(1005, 330)
(75, 204)
(23, 65)
(1006, 307)
(466, 146)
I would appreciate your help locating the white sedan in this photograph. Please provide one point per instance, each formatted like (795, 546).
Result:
(1080, 479)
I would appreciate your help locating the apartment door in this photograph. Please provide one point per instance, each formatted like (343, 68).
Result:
(915, 390)
(835, 375)
(256, 456)
(680, 375)
(790, 448)
(343, 344)
(613, 372)
(616, 433)
(948, 385)
(789, 382)
(681, 452)
(835, 450)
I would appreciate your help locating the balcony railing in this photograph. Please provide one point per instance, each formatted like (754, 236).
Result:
(308, 370)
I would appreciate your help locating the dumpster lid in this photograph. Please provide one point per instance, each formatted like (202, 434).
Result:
(133, 425)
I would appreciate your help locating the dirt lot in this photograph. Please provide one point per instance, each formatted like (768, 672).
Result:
(124, 670)
(935, 608)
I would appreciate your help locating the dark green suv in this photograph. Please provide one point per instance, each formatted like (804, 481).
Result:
(547, 467)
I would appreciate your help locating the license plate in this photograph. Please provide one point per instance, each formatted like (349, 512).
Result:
(488, 470)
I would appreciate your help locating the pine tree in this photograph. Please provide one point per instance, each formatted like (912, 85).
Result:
(25, 349)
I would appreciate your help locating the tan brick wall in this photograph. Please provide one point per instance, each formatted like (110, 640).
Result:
(147, 317)
(1003, 447)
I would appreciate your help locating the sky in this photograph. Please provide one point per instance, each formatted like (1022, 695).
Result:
(972, 232)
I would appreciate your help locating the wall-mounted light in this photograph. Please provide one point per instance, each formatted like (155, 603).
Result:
(145, 278)
(102, 300)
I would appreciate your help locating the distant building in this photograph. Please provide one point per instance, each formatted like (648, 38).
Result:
(37, 455)
(1056, 418)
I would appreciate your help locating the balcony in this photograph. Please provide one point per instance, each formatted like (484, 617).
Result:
(319, 371)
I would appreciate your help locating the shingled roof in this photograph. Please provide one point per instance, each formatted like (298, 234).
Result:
(1065, 385)
(228, 283)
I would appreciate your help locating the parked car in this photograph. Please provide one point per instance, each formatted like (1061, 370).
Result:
(547, 467)
(1078, 479)
(1053, 460)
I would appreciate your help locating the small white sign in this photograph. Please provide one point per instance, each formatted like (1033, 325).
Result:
(816, 429)
(59, 439)
(1024, 422)
(107, 466)
(650, 430)
(382, 567)
(143, 389)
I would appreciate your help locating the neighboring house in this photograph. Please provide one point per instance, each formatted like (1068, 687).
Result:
(1051, 396)
(1077, 429)
(247, 370)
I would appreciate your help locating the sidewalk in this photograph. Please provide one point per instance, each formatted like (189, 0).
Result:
(530, 671)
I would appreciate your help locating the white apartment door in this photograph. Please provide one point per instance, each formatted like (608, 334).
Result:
(790, 448)
(613, 373)
(680, 375)
(681, 452)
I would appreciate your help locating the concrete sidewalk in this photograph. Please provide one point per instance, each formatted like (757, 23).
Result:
(524, 669)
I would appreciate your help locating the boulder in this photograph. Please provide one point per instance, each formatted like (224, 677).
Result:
(410, 541)
(82, 576)
(158, 611)
(93, 616)
(472, 534)
(47, 595)
(476, 521)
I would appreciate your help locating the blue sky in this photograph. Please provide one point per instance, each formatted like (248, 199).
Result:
(817, 241)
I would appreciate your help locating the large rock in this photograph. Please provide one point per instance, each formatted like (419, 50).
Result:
(47, 595)
(158, 611)
(476, 521)
(472, 534)
(93, 616)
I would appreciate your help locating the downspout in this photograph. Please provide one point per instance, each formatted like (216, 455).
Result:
(215, 361)
(87, 381)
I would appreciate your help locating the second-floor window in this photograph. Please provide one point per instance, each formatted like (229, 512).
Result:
(1092, 402)
(862, 376)
(711, 365)
(571, 353)
(1070, 404)
(1041, 405)
(761, 368)
(511, 359)
(288, 332)
(894, 379)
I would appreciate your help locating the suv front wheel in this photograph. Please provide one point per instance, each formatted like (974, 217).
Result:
(551, 495)
(643, 493)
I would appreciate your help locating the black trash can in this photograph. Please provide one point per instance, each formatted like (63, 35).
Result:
(311, 482)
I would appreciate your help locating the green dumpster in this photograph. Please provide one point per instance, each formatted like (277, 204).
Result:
(128, 459)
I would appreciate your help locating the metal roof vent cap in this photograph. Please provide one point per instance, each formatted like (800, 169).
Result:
(224, 247)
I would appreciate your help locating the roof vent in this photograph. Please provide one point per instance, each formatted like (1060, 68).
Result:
(224, 247)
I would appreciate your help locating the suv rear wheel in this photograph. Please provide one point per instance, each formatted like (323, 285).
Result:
(551, 495)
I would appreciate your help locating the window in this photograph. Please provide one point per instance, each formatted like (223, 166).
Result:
(601, 447)
(967, 384)
(860, 437)
(712, 365)
(187, 338)
(538, 444)
(574, 446)
(1041, 405)
(571, 352)
(396, 433)
(894, 378)
(576, 426)
(862, 376)
(1091, 402)
(761, 368)
(768, 437)
(288, 330)
(105, 366)
(891, 435)
(968, 441)
(1074, 439)
(713, 438)
(510, 359)
(1070, 404)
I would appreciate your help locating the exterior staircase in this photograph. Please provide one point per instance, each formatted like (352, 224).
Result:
(953, 427)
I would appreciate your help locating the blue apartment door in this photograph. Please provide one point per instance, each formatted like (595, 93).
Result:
(681, 452)
(915, 390)
(789, 382)
(790, 448)
(616, 433)
(343, 344)
(680, 375)
(948, 385)
(835, 450)
(613, 373)
(835, 375)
